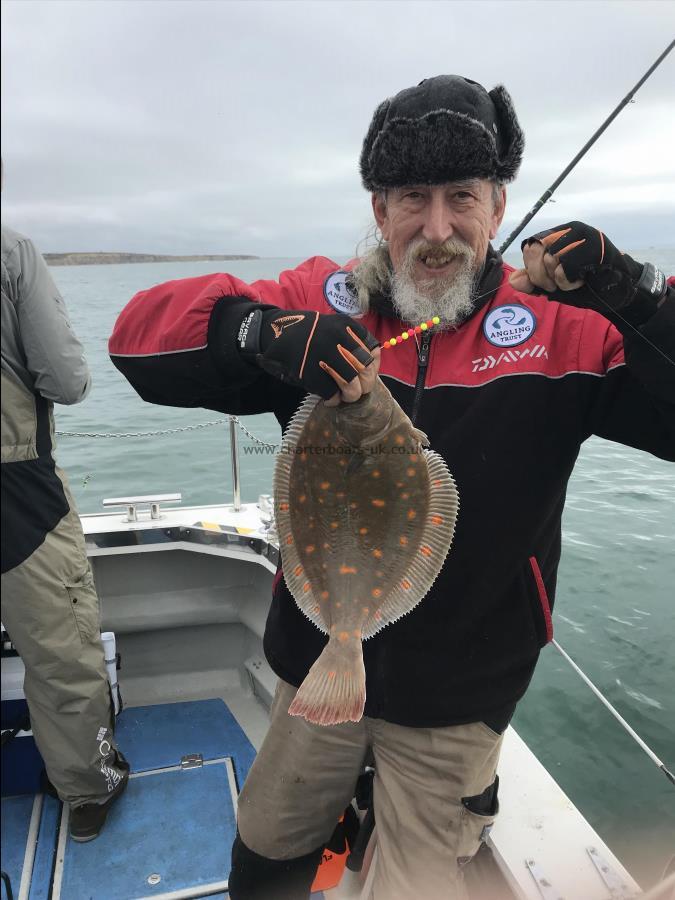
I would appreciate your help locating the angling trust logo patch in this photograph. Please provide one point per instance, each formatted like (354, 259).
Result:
(340, 296)
(508, 326)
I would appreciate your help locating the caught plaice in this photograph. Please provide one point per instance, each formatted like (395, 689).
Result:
(365, 518)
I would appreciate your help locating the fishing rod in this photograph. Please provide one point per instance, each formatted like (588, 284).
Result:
(549, 192)
(636, 737)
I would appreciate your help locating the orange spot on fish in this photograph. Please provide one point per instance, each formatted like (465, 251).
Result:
(320, 499)
(298, 570)
(376, 592)
(377, 554)
(317, 609)
(403, 541)
(342, 462)
(306, 587)
(326, 433)
(353, 505)
(331, 674)
(333, 525)
(289, 540)
(425, 551)
(399, 439)
(411, 515)
(324, 485)
(340, 495)
(338, 604)
(378, 615)
(326, 546)
(378, 503)
(343, 636)
(405, 496)
(376, 473)
(302, 498)
(325, 595)
(399, 484)
(413, 457)
(379, 574)
(437, 520)
(405, 584)
(347, 570)
(310, 548)
(283, 507)
(363, 531)
(437, 482)
(411, 472)
(366, 610)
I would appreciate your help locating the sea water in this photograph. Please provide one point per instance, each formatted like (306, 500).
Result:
(614, 613)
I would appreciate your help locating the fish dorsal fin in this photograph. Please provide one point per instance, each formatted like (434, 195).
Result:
(435, 542)
(293, 569)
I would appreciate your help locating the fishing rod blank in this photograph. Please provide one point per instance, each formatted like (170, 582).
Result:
(636, 737)
(549, 193)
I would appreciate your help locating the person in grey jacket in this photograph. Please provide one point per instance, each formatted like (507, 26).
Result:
(50, 607)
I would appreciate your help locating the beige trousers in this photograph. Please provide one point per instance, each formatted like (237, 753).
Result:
(50, 609)
(304, 777)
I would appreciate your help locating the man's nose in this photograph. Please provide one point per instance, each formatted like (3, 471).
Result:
(438, 221)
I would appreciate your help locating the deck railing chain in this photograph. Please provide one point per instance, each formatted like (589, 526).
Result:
(138, 434)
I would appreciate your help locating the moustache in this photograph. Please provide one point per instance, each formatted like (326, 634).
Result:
(451, 248)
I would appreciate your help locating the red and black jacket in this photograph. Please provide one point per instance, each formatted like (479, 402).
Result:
(507, 399)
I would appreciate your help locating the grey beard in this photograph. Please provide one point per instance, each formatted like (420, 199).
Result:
(450, 301)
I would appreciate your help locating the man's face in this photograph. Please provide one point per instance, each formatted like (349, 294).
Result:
(433, 214)
(437, 236)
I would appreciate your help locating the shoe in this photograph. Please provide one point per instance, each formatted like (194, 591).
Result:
(87, 821)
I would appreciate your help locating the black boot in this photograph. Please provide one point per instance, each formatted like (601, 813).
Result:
(255, 877)
(87, 821)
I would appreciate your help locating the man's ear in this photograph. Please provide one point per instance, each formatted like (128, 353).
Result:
(379, 204)
(498, 214)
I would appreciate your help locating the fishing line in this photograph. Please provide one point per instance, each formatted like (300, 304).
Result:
(636, 737)
(630, 325)
(667, 358)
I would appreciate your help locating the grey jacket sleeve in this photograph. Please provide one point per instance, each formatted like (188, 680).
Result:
(54, 356)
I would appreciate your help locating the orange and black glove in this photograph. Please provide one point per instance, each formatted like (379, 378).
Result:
(306, 348)
(614, 284)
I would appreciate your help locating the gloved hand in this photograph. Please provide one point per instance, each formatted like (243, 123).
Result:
(576, 264)
(322, 353)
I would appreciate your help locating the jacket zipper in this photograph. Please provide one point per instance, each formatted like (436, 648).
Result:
(422, 364)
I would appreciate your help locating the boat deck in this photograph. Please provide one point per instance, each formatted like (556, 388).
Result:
(187, 597)
(171, 834)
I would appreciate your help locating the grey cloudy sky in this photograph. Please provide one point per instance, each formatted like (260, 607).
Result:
(225, 127)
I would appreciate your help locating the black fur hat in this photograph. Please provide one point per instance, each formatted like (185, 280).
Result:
(445, 129)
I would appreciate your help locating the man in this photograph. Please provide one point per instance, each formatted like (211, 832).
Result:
(442, 682)
(49, 602)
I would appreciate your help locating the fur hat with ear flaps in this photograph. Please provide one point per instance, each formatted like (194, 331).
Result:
(445, 129)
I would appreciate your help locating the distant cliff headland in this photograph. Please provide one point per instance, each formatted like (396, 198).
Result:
(101, 259)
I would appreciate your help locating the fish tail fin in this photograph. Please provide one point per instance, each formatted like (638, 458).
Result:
(334, 690)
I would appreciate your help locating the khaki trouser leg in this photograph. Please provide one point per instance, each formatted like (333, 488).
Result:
(424, 831)
(51, 610)
(304, 777)
(301, 782)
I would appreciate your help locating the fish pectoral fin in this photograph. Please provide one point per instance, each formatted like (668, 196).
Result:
(356, 461)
